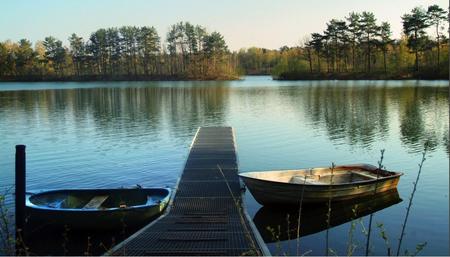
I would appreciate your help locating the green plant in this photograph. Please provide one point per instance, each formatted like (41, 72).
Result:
(408, 209)
(350, 245)
(380, 166)
(7, 240)
(329, 209)
(89, 246)
(241, 214)
(276, 237)
(419, 248)
(383, 235)
(300, 216)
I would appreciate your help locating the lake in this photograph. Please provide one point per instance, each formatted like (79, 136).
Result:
(113, 134)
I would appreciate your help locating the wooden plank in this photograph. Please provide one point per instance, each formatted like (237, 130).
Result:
(96, 201)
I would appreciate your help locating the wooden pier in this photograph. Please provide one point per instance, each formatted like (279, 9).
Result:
(206, 215)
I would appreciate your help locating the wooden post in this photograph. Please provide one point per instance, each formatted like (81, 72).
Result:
(20, 196)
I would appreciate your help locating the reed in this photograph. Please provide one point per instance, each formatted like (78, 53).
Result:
(88, 247)
(288, 234)
(299, 217)
(329, 210)
(350, 245)
(276, 237)
(254, 249)
(65, 236)
(408, 209)
(7, 240)
(380, 166)
(385, 238)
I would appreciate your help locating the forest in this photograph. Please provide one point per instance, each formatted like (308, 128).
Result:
(125, 53)
(356, 47)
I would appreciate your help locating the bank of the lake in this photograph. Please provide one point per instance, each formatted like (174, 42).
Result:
(113, 134)
(94, 78)
(362, 76)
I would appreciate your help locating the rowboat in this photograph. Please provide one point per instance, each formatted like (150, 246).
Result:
(106, 209)
(315, 185)
(314, 217)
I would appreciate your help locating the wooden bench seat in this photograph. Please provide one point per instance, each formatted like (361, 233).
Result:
(96, 201)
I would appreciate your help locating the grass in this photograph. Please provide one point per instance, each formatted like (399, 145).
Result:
(327, 248)
(254, 250)
(7, 240)
(408, 209)
(380, 167)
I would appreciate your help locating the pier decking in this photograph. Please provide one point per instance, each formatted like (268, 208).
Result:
(206, 216)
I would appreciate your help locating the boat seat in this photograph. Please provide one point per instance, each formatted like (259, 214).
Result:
(96, 201)
(57, 204)
(307, 181)
(370, 176)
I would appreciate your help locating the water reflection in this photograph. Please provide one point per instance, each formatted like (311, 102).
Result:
(355, 115)
(314, 217)
(423, 119)
(95, 135)
(114, 110)
(362, 115)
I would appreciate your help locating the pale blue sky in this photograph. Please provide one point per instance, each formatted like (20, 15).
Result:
(244, 23)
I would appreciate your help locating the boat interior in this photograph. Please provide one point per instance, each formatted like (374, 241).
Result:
(320, 176)
(97, 199)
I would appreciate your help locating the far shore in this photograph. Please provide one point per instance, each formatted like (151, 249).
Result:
(360, 76)
(282, 77)
(115, 78)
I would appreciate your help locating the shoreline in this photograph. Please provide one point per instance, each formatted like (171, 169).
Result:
(218, 80)
(115, 79)
(360, 76)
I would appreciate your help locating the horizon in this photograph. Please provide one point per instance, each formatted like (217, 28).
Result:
(264, 24)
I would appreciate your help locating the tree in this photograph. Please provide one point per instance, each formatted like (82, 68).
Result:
(414, 25)
(114, 49)
(56, 53)
(385, 35)
(129, 36)
(354, 28)
(148, 42)
(331, 33)
(369, 31)
(177, 43)
(24, 57)
(214, 44)
(214, 47)
(317, 44)
(436, 15)
(78, 51)
(200, 33)
(336, 32)
(5, 66)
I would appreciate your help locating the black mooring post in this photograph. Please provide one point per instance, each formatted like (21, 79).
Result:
(20, 196)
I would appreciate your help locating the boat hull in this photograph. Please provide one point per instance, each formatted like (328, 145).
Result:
(268, 192)
(97, 219)
(314, 217)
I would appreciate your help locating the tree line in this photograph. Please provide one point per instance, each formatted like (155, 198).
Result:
(360, 47)
(356, 47)
(128, 52)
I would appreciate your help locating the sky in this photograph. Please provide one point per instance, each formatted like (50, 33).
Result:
(244, 23)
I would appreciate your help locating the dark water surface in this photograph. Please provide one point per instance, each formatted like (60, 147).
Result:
(116, 134)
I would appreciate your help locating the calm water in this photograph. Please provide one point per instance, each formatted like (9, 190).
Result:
(121, 134)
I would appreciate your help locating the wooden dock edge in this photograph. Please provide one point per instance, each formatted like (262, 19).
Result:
(259, 240)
